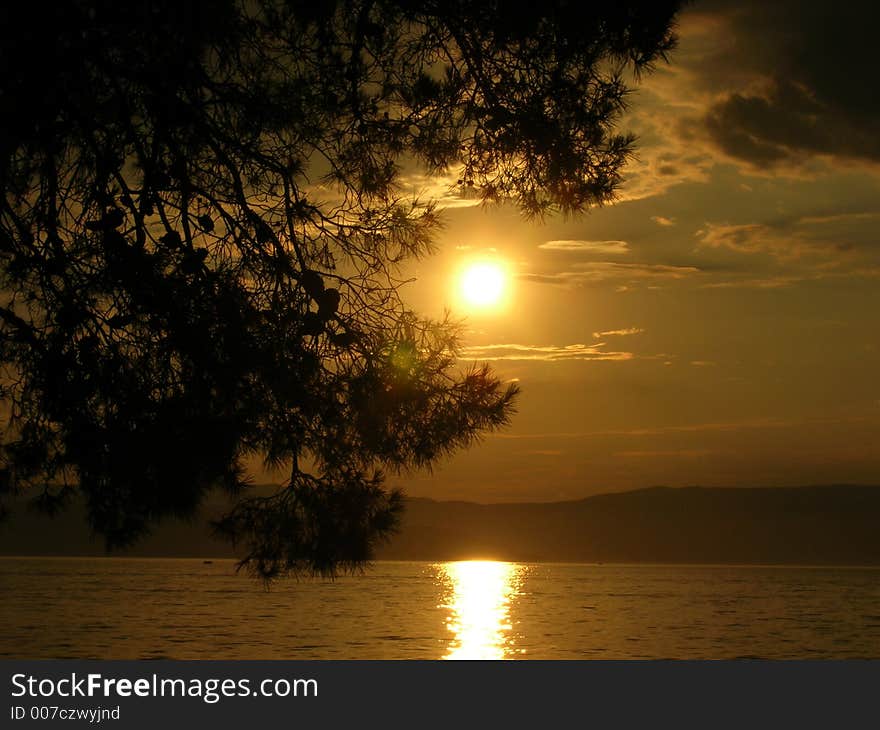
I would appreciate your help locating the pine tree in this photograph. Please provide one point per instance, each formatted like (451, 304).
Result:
(204, 216)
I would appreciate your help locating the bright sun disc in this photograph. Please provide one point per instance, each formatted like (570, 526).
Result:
(482, 285)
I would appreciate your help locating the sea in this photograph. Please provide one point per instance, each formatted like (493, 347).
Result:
(120, 608)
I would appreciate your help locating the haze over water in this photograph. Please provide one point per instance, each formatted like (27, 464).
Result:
(187, 609)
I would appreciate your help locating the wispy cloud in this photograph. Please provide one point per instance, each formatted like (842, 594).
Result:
(751, 238)
(710, 427)
(668, 453)
(856, 217)
(619, 333)
(745, 238)
(765, 282)
(807, 248)
(581, 246)
(835, 238)
(545, 353)
(601, 271)
(785, 280)
(440, 188)
(663, 221)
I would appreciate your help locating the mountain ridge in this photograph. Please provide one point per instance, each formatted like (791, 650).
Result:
(816, 524)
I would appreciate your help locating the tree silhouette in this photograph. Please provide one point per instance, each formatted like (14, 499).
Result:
(203, 220)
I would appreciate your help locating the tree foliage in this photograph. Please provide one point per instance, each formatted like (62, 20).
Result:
(204, 216)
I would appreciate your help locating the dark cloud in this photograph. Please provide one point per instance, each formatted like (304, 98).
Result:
(786, 123)
(795, 79)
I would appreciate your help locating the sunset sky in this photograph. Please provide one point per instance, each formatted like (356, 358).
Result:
(719, 324)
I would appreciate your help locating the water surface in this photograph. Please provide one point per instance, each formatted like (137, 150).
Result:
(186, 609)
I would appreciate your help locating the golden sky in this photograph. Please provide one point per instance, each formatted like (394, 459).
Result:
(719, 324)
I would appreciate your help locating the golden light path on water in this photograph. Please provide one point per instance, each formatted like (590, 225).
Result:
(479, 595)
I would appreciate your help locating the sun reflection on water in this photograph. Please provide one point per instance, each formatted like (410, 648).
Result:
(479, 595)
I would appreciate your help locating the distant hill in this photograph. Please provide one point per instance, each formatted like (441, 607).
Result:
(835, 524)
(806, 525)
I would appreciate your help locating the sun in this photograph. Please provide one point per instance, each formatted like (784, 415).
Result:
(482, 285)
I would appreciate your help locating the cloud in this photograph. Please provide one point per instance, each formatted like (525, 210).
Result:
(599, 247)
(777, 88)
(743, 238)
(603, 271)
(544, 353)
(787, 124)
(668, 153)
(759, 424)
(770, 282)
(835, 241)
(619, 333)
(440, 188)
(869, 216)
(663, 221)
(785, 280)
(791, 80)
(670, 453)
